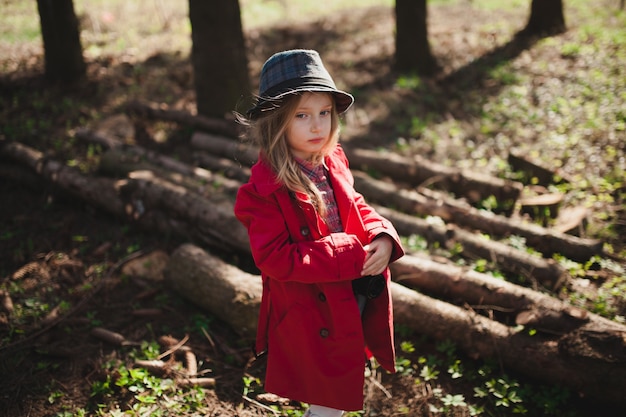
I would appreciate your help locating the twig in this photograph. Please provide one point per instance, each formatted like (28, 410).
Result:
(380, 386)
(258, 404)
(209, 338)
(174, 348)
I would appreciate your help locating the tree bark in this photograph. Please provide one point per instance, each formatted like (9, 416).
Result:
(429, 203)
(145, 200)
(534, 269)
(218, 56)
(417, 171)
(209, 219)
(122, 159)
(412, 48)
(546, 18)
(228, 167)
(513, 304)
(217, 125)
(571, 360)
(245, 154)
(213, 187)
(229, 293)
(63, 53)
(407, 201)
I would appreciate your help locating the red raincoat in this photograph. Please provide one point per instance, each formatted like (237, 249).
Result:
(309, 322)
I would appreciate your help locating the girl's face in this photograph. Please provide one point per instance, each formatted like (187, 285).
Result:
(310, 127)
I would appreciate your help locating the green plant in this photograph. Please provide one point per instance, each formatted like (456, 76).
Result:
(429, 372)
(501, 392)
(404, 366)
(251, 385)
(142, 392)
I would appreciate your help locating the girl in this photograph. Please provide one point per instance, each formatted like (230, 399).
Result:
(322, 251)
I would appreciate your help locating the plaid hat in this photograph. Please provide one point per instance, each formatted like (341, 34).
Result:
(293, 71)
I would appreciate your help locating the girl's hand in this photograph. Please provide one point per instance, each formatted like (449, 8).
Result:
(378, 254)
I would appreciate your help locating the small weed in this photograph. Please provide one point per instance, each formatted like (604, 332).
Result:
(251, 385)
(54, 396)
(144, 393)
(404, 366)
(501, 392)
(429, 373)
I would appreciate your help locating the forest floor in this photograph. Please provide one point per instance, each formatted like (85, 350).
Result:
(64, 263)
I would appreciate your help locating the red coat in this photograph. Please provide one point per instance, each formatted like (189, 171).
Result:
(309, 321)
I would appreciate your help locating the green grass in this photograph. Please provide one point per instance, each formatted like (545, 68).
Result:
(19, 22)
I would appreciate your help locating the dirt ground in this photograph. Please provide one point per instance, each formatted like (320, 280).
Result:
(69, 258)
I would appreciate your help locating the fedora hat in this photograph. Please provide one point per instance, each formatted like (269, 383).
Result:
(295, 71)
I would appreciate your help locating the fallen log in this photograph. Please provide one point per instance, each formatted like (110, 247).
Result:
(222, 289)
(521, 305)
(429, 203)
(228, 167)
(246, 154)
(122, 158)
(151, 203)
(161, 112)
(547, 272)
(100, 192)
(118, 163)
(418, 171)
(571, 360)
(415, 171)
(590, 371)
(160, 205)
(210, 218)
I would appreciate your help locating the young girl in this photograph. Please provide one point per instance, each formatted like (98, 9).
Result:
(322, 251)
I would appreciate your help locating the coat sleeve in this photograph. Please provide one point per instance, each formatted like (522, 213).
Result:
(336, 257)
(376, 225)
(373, 223)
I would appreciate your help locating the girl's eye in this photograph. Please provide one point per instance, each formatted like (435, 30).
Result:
(300, 115)
(325, 112)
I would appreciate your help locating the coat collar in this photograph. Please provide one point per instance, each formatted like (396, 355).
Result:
(266, 182)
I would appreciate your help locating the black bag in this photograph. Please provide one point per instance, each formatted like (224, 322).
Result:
(370, 286)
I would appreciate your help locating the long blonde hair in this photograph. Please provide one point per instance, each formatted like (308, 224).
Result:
(268, 131)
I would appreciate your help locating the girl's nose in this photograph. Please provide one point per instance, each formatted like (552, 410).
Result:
(315, 123)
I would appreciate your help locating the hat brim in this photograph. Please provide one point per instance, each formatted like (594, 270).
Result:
(343, 100)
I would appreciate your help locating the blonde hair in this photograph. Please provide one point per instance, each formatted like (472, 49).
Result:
(268, 131)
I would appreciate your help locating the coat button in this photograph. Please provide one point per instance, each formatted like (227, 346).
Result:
(304, 231)
(322, 296)
(324, 333)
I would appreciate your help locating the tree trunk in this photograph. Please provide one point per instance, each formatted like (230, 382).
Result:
(218, 56)
(571, 360)
(546, 18)
(412, 48)
(63, 53)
